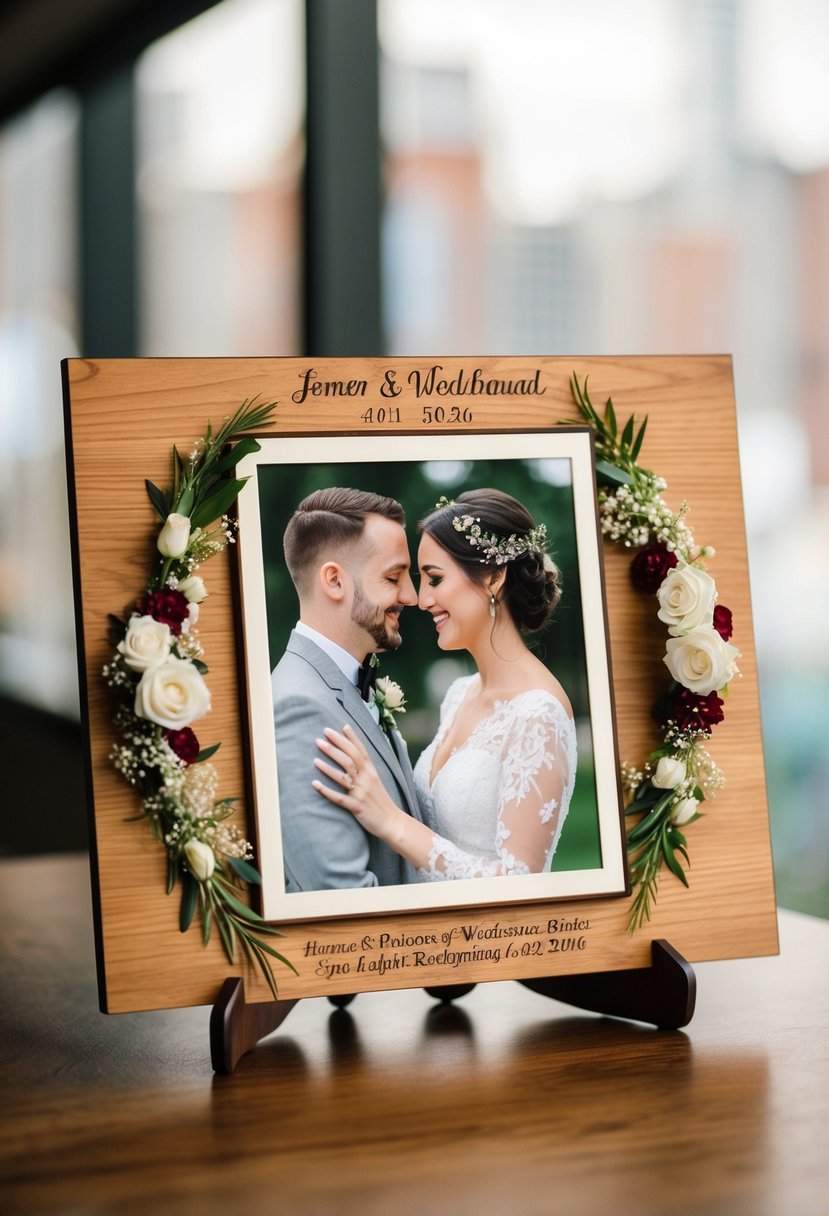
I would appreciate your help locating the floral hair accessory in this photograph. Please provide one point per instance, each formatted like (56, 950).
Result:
(504, 548)
(497, 549)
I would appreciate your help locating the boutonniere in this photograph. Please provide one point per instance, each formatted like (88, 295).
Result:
(390, 700)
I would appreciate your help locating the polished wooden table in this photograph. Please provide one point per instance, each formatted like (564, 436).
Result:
(505, 1102)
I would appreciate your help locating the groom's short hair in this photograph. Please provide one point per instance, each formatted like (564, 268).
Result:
(334, 517)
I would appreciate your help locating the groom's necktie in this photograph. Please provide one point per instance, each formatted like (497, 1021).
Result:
(366, 678)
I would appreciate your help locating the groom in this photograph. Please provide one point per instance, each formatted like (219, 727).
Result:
(346, 552)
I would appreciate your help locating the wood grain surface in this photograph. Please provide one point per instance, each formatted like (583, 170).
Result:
(506, 1102)
(124, 417)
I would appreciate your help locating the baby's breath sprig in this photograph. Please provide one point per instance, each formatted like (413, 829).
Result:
(631, 507)
(664, 795)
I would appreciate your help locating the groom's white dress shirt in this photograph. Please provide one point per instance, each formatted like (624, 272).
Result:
(348, 665)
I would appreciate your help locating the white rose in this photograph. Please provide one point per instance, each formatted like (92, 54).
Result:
(686, 599)
(201, 861)
(146, 642)
(701, 661)
(670, 773)
(174, 537)
(683, 810)
(172, 694)
(392, 694)
(193, 589)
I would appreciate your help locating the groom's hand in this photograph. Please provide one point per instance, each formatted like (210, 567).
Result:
(360, 789)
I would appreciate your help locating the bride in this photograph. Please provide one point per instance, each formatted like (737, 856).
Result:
(496, 781)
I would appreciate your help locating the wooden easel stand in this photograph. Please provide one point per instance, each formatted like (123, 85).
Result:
(662, 995)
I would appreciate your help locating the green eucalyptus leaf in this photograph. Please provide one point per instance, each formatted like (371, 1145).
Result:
(172, 872)
(158, 499)
(178, 474)
(189, 899)
(584, 403)
(227, 933)
(200, 667)
(238, 907)
(637, 444)
(645, 802)
(207, 752)
(184, 506)
(611, 475)
(245, 447)
(647, 825)
(610, 414)
(117, 627)
(218, 503)
(274, 953)
(264, 927)
(673, 864)
(245, 870)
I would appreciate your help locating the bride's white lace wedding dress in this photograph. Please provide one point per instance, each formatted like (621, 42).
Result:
(498, 803)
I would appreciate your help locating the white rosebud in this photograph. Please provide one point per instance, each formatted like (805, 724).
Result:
(683, 810)
(701, 661)
(172, 694)
(391, 692)
(201, 861)
(146, 642)
(193, 589)
(174, 537)
(670, 773)
(686, 599)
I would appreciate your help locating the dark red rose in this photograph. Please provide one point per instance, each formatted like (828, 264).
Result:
(722, 622)
(184, 743)
(691, 711)
(649, 567)
(169, 607)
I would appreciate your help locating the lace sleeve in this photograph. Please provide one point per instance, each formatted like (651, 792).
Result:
(538, 765)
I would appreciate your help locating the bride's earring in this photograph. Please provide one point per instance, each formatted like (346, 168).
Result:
(492, 605)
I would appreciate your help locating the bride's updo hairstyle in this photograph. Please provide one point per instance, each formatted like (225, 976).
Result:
(532, 586)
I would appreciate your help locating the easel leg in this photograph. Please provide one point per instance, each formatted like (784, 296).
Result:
(449, 992)
(236, 1027)
(663, 994)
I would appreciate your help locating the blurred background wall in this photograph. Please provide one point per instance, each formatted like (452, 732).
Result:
(419, 176)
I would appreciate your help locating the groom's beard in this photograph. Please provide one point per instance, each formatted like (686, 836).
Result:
(373, 619)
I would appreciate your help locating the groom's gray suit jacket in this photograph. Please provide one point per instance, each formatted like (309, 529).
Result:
(324, 845)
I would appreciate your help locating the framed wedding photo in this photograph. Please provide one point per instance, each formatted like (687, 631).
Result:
(195, 789)
(552, 473)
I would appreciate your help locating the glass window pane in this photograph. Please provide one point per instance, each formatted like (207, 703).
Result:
(220, 106)
(38, 310)
(647, 177)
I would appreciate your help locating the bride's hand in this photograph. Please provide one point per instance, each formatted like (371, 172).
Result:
(361, 790)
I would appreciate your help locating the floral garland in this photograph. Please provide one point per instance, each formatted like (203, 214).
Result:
(156, 676)
(680, 773)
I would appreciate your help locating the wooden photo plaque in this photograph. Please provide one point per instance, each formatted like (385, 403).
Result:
(439, 426)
